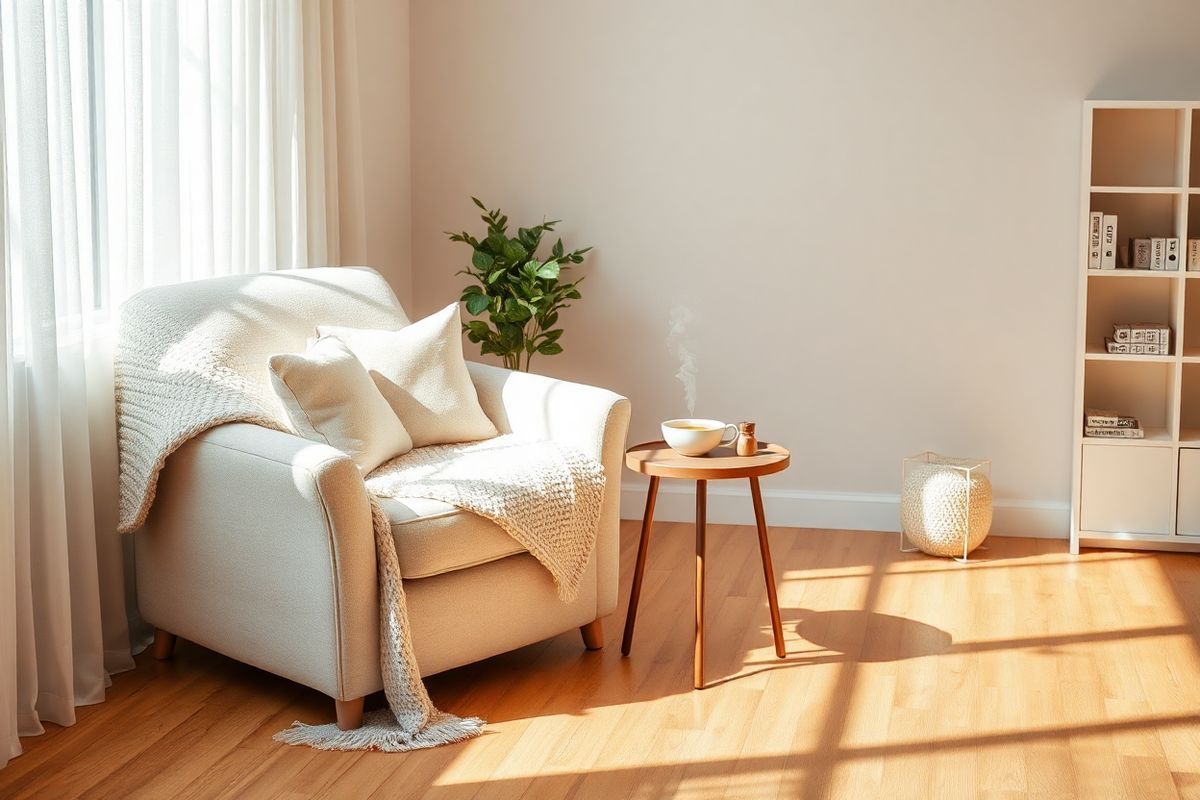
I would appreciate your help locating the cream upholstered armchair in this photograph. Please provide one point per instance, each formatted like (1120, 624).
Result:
(259, 544)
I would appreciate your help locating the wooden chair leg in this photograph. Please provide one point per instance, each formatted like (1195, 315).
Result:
(593, 634)
(349, 713)
(164, 644)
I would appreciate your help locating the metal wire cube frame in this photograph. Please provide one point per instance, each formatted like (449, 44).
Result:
(970, 469)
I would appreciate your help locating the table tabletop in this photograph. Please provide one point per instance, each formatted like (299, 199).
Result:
(658, 459)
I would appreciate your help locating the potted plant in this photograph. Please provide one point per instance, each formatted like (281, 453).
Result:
(520, 294)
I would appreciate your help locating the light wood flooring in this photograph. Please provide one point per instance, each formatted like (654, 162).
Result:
(1027, 674)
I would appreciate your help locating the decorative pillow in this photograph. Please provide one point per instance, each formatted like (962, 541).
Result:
(421, 372)
(330, 398)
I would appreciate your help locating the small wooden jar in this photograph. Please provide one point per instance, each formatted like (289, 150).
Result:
(747, 443)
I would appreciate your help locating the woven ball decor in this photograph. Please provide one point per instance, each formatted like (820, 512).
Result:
(934, 511)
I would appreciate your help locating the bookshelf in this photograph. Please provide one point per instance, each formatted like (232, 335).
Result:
(1141, 161)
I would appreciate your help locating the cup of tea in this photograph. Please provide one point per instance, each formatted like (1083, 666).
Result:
(695, 437)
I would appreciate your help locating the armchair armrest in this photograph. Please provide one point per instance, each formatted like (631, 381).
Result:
(594, 420)
(535, 405)
(258, 541)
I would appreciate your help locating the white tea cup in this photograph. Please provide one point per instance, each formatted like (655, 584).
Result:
(695, 437)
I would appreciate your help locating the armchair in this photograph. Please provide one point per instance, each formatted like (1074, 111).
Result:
(259, 546)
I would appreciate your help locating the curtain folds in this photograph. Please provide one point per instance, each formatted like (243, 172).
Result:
(140, 143)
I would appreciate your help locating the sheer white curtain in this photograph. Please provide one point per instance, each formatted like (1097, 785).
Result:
(140, 143)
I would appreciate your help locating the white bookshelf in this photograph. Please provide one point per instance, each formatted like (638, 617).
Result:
(1141, 161)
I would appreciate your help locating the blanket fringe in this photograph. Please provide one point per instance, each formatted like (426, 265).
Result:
(380, 731)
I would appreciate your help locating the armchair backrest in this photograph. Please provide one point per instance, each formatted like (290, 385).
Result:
(251, 317)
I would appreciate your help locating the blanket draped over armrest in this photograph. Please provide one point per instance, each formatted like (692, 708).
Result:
(173, 384)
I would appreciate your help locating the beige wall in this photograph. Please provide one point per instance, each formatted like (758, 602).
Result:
(374, 177)
(870, 208)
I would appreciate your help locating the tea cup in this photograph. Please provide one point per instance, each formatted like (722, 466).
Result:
(695, 437)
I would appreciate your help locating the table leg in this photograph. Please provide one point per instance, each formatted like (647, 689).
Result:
(635, 591)
(701, 514)
(764, 548)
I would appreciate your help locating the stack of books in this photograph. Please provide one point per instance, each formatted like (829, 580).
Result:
(1110, 425)
(1140, 338)
(1140, 252)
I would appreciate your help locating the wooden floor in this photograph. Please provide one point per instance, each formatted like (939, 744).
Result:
(1027, 674)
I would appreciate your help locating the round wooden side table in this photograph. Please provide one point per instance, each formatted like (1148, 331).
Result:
(658, 460)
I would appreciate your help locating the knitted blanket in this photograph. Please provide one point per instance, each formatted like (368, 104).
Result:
(173, 385)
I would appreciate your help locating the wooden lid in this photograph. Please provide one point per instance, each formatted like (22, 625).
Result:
(657, 458)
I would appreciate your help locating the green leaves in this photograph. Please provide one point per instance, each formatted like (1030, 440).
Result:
(476, 303)
(514, 251)
(521, 295)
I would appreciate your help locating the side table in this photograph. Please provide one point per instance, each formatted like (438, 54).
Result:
(658, 460)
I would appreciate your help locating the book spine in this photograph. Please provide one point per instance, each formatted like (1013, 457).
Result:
(1139, 256)
(1158, 254)
(1141, 333)
(1108, 253)
(1193, 255)
(1114, 433)
(1172, 256)
(1097, 417)
(1095, 221)
(1116, 347)
(1112, 422)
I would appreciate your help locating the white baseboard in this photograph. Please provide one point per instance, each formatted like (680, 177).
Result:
(729, 503)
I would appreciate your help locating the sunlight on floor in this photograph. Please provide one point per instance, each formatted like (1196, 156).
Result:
(903, 676)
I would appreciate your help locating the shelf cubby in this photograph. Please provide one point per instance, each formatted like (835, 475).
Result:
(1189, 404)
(1141, 215)
(1190, 343)
(1137, 147)
(1128, 299)
(1193, 229)
(1143, 389)
(1194, 172)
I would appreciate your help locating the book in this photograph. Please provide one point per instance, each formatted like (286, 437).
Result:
(1193, 255)
(1108, 245)
(1114, 433)
(1098, 418)
(1095, 220)
(1137, 348)
(1158, 254)
(1172, 256)
(1142, 332)
(1139, 253)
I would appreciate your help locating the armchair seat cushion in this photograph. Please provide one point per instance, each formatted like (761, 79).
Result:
(433, 538)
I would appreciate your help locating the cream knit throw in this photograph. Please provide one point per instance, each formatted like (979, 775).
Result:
(172, 385)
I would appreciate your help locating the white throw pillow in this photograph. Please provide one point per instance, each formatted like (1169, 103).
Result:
(330, 398)
(421, 372)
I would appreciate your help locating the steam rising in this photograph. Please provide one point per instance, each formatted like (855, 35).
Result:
(677, 343)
